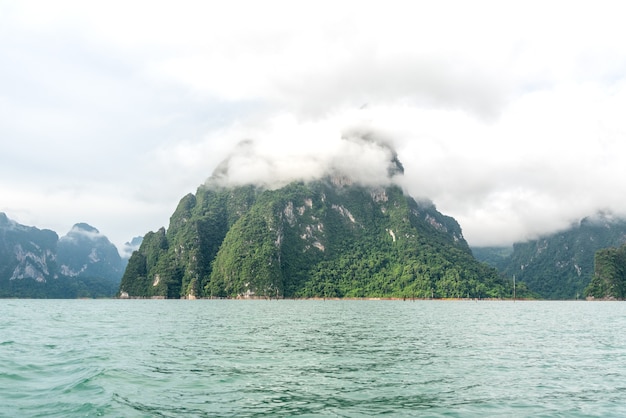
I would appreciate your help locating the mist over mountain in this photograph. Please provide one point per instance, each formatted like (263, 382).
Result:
(559, 265)
(84, 251)
(37, 263)
(130, 247)
(363, 155)
(315, 227)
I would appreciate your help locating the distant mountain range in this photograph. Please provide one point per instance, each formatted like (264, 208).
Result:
(559, 265)
(328, 238)
(35, 263)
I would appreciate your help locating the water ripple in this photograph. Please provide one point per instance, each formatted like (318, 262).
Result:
(312, 358)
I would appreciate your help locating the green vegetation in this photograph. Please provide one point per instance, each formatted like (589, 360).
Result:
(561, 265)
(609, 279)
(59, 288)
(494, 256)
(308, 240)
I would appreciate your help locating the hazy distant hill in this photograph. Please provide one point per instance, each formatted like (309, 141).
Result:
(35, 263)
(560, 265)
(85, 252)
(130, 247)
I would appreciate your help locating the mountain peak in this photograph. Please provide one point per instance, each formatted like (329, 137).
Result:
(36, 263)
(325, 238)
(84, 227)
(359, 157)
(84, 251)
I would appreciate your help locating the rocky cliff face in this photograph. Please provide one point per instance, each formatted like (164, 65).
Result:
(325, 238)
(36, 263)
(84, 251)
(26, 252)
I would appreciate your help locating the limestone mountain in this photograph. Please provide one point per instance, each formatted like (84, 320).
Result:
(128, 249)
(35, 263)
(324, 238)
(85, 252)
(560, 265)
(609, 278)
(26, 253)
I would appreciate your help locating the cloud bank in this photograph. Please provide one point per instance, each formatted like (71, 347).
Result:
(291, 151)
(509, 117)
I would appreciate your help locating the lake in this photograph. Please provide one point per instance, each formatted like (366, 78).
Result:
(175, 358)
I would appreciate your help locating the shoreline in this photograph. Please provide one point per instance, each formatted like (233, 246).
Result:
(251, 298)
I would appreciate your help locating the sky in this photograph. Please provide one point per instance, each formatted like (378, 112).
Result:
(508, 116)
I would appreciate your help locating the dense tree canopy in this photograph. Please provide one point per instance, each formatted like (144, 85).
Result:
(560, 265)
(317, 239)
(609, 279)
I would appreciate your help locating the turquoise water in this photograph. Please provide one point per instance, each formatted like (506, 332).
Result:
(153, 358)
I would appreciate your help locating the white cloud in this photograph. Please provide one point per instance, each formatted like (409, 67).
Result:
(508, 116)
(287, 149)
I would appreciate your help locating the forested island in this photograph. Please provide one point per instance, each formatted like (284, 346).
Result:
(334, 236)
(327, 238)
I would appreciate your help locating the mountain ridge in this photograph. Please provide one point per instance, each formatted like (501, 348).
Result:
(324, 238)
(559, 265)
(36, 263)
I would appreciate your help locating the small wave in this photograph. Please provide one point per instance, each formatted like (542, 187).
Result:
(161, 410)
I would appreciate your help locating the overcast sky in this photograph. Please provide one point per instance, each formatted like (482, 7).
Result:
(509, 116)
